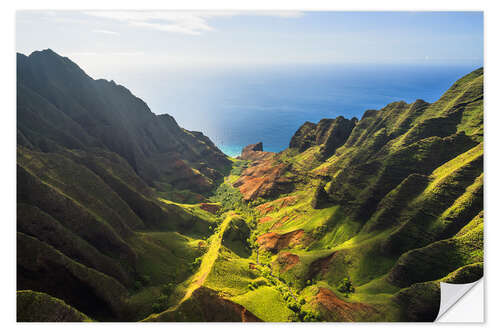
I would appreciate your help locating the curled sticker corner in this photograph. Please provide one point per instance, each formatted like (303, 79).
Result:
(451, 294)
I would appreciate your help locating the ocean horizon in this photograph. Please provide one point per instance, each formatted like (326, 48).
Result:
(238, 106)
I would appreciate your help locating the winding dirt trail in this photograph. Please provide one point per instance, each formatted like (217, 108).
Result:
(206, 265)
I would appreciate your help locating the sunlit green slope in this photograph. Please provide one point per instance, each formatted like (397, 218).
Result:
(125, 216)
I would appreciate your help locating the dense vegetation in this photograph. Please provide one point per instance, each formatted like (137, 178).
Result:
(123, 215)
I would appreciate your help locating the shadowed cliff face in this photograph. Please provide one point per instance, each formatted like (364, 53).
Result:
(40, 307)
(328, 133)
(59, 106)
(92, 160)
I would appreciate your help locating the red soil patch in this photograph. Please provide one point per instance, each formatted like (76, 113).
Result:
(209, 306)
(265, 219)
(215, 308)
(340, 310)
(277, 204)
(280, 223)
(320, 266)
(287, 201)
(247, 316)
(276, 225)
(257, 155)
(265, 208)
(287, 260)
(274, 242)
(210, 207)
(284, 219)
(263, 178)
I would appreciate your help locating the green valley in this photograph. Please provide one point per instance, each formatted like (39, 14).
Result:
(122, 215)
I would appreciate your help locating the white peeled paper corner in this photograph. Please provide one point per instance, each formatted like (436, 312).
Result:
(462, 302)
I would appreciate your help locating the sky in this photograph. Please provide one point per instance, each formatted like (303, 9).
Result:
(105, 41)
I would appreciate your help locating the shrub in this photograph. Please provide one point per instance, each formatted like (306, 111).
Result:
(137, 285)
(266, 272)
(292, 305)
(146, 279)
(160, 304)
(252, 222)
(157, 308)
(168, 288)
(253, 285)
(195, 264)
(319, 231)
(345, 286)
(257, 202)
(308, 316)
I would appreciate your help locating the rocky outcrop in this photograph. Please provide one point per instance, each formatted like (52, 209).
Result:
(253, 147)
(255, 152)
(329, 133)
(263, 179)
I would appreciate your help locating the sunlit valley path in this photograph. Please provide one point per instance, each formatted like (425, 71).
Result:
(205, 266)
(122, 215)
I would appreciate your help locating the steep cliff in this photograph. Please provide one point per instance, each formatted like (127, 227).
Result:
(96, 170)
(60, 107)
(330, 134)
(392, 204)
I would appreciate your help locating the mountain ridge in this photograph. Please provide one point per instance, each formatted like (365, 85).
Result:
(124, 215)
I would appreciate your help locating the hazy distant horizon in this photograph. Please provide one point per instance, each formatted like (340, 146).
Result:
(242, 77)
(244, 106)
(240, 105)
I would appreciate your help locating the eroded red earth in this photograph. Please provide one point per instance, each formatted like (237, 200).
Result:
(272, 206)
(274, 242)
(340, 310)
(287, 260)
(210, 207)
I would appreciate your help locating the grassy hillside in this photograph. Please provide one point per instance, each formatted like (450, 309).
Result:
(124, 216)
(372, 228)
(95, 172)
(39, 307)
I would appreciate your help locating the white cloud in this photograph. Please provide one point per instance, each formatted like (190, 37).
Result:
(132, 53)
(78, 54)
(106, 32)
(118, 53)
(186, 22)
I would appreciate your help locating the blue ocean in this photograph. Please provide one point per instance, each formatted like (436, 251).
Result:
(237, 106)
